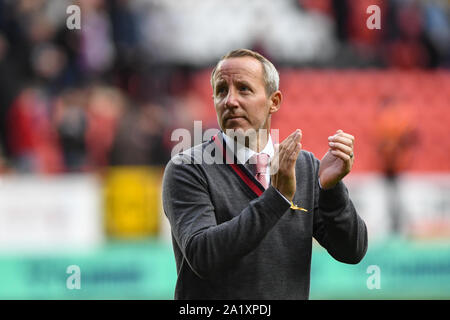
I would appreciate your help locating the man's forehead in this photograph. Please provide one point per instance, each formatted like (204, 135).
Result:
(240, 66)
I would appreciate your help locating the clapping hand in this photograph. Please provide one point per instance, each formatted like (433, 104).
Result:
(338, 160)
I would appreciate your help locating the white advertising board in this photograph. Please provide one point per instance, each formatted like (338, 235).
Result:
(416, 206)
(50, 213)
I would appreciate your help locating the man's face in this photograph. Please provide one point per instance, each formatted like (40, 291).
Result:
(239, 96)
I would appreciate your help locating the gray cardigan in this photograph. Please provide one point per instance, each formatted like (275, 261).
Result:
(231, 244)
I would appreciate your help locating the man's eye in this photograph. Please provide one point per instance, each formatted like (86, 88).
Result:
(221, 90)
(244, 88)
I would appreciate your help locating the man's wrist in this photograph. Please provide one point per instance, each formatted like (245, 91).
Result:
(331, 199)
(287, 200)
(322, 188)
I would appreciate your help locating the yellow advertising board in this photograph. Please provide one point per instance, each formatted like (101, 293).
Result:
(132, 200)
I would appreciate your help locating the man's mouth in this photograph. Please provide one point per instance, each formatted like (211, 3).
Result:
(234, 117)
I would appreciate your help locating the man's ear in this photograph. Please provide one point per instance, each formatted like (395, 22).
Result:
(275, 101)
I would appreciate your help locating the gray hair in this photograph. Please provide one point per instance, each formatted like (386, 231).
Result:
(270, 73)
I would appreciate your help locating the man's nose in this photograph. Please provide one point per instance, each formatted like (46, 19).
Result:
(231, 101)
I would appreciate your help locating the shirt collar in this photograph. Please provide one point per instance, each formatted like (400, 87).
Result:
(243, 153)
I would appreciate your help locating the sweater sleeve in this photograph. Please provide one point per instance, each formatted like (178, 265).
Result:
(337, 226)
(206, 246)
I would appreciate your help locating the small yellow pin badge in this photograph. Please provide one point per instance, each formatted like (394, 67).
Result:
(294, 207)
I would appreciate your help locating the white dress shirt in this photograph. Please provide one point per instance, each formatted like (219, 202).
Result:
(243, 154)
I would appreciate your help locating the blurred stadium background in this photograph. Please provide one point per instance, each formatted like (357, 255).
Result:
(86, 118)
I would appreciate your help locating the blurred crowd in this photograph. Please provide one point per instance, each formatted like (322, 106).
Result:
(111, 92)
(75, 100)
(412, 34)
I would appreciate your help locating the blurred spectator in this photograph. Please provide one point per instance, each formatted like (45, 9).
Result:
(358, 33)
(408, 47)
(437, 28)
(125, 34)
(140, 137)
(105, 107)
(9, 87)
(97, 51)
(3, 166)
(48, 62)
(31, 138)
(70, 120)
(396, 134)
